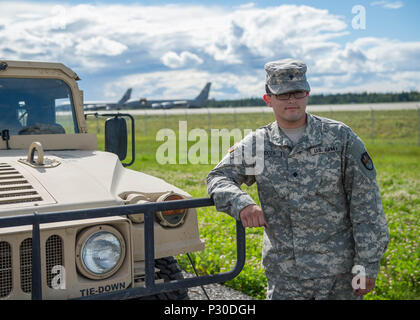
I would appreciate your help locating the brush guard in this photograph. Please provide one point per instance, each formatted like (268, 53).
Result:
(149, 210)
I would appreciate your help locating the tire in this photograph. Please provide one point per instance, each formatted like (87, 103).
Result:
(168, 270)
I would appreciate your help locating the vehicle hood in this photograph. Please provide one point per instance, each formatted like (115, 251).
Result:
(81, 180)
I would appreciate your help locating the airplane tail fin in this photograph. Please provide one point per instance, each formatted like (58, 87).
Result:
(125, 97)
(204, 95)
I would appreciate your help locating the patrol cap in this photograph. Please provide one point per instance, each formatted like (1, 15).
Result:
(286, 75)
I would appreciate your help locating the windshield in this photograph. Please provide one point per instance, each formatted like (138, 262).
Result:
(36, 106)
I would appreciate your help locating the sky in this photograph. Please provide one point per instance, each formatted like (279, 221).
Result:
(170, 49)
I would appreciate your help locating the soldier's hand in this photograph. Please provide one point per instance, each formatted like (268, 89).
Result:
(369, 284)
(252, 216)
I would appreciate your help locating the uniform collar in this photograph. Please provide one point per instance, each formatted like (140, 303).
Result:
(311, 137)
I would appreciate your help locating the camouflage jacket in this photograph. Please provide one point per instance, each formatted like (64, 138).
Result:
(320, 198)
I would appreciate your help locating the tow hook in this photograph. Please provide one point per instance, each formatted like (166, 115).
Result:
(40, 161)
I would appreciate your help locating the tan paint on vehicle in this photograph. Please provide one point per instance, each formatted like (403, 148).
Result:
(81, 178)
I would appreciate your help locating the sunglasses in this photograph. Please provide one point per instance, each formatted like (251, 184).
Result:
(286, 96)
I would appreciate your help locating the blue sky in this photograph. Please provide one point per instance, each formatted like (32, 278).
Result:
(170, 49)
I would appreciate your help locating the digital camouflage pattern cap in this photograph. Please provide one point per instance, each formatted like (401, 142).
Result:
(286, 75)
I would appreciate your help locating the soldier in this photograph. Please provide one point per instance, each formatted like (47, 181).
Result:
(320, 202)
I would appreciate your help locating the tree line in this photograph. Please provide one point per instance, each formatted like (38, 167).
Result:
(339, 98)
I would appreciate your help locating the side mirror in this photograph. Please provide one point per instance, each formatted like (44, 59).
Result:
(116, 136)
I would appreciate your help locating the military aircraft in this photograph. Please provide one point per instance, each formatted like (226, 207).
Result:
(104, 105)
(198, 102)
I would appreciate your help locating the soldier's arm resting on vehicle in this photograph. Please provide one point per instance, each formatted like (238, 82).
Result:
(223, 186)
(370, 229)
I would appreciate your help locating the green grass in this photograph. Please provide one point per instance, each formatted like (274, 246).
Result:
(393, 146)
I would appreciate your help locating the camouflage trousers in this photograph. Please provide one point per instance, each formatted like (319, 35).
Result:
(329, 288)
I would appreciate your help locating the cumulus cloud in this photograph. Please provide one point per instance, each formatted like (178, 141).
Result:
(100, 46)
(173, 60)
(173, 50)
(369, 64)
(188, 83)
(225, 36)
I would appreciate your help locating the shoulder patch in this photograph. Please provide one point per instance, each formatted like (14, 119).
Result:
(360, 156)
(367, 161)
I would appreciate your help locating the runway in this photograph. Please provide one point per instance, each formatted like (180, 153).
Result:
(314, 108)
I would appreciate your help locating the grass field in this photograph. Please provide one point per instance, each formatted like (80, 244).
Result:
(393, 146)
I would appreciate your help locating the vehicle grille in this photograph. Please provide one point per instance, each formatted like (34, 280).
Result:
(14, 187)
(5, 269)
(25, 251)
(54, 255)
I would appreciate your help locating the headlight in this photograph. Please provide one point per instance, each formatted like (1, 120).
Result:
(100, 252)
(171, 218)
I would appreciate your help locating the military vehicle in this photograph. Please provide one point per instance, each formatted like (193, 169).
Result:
(51, 166)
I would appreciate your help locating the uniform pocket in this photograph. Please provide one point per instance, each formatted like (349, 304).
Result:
(329, 181)
(330, 191)
(274, 175)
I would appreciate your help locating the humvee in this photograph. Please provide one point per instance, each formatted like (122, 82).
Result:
(50, 165)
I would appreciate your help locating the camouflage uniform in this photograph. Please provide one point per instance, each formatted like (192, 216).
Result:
(320, 199)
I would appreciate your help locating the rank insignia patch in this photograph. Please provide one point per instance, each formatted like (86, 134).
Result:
(367, 161)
